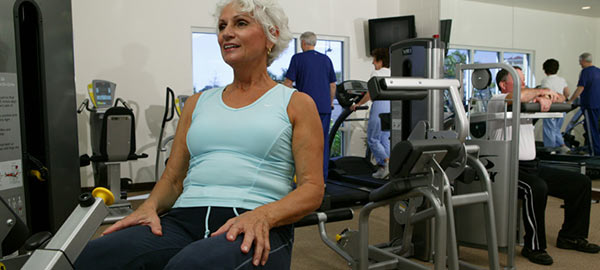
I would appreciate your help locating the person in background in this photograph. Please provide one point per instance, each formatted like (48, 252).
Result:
(314, 75)
(552, 126)
(378, 140)
(536, 182)
(588, 87)
(225, 202)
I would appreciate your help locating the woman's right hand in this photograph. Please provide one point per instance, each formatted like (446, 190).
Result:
(142, 216)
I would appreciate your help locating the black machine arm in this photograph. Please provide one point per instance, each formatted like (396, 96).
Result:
(397, 88)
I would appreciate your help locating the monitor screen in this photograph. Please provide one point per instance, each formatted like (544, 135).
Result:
(445, 30)
(384, 32)
(103, 93)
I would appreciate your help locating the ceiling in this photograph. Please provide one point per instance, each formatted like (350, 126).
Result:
(560, 6)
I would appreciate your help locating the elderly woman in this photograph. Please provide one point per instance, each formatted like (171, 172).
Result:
(225, 200)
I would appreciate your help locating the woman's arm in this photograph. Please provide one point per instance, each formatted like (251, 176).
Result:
(169, 187)
(307, 148)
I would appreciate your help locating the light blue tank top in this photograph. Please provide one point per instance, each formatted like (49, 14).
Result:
(239, 158)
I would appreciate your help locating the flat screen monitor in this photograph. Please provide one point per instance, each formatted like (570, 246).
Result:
(384, 32)
(445, 30)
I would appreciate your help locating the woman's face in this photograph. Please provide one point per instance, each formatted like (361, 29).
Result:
(378, 64)
(241, 37)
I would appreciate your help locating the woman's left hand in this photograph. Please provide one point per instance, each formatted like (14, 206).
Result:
(255, 227)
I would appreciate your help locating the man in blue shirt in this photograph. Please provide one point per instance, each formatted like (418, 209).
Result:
(589, 89)
(314, 75)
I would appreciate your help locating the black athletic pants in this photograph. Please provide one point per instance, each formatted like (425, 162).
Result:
(535, 184)
(183, 245)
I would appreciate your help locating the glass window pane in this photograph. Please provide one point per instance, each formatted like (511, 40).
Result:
(519, 60)
(485, 57)
(453, 58)
(279, 67)
(333, 49)
(209, 69)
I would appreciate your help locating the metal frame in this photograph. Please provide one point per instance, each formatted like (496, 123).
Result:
(514, 165)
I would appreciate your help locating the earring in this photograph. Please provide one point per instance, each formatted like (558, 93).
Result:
(268, 51)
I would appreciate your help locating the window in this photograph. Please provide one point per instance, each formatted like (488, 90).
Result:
(210, 71)
(520, 60)
(471, 55)
(279, 67)
(333, 49)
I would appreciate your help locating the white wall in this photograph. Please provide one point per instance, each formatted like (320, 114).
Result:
(144, 46)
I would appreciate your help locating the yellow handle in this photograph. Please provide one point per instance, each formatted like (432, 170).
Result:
(104, 194)
(177, 106)
(37, 174)
(91, 93)
(338, 237)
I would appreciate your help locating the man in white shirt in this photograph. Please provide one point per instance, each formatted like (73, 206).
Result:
(535, 183)
(552, 136)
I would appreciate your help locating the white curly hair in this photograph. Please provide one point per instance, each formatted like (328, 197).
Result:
(272, 18)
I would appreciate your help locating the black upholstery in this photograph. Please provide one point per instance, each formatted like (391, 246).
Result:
(404, 157)
(535, 107)
(396, 187)
(405, 154)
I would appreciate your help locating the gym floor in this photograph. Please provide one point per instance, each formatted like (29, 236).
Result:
(310, 253)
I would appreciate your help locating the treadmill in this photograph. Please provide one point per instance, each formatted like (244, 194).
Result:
(344, 186)
(351, 170)
(586, 164)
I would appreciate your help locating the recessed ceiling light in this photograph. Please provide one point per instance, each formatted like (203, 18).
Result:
(586, 7)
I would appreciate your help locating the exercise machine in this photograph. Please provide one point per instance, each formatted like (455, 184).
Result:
(573, 161)
(501, 158)
(417, 169)
(39, 166)
(351, 169)
(173, 105)
(44, 251)
(112, 132)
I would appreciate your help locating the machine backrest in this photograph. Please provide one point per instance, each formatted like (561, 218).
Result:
(409, 157)
(117, 140)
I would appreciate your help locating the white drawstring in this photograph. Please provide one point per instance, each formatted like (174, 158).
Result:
(207, 230)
